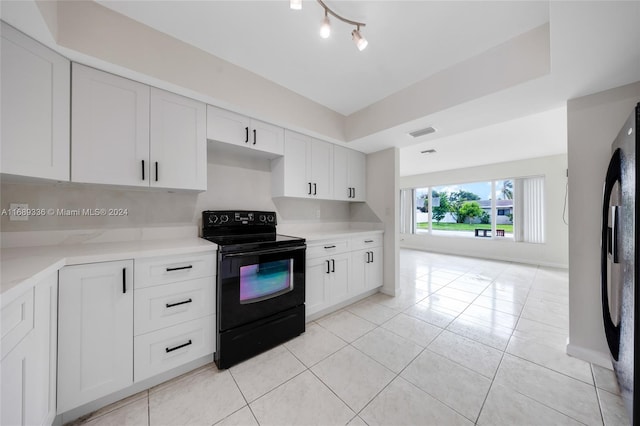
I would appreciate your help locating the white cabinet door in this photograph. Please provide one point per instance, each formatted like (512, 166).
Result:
(349, 174)
(35, 108)
(109, 129)
(289, 173)
(227, 126)
(316, 277)
(341, 188)
(267, 137)
(305, 171)
(95, 333)
(357, 175)
(178, 148)
(359, 264)
(236, 129)
(373, 272)
(28, 371)
(338, 286)
(320, 162)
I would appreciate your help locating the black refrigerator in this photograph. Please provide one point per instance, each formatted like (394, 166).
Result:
(619, 260)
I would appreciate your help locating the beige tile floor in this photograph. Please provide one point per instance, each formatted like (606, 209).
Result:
(467, 341)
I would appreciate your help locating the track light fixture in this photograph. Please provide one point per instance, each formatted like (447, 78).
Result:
(360, 41)
(325, 27)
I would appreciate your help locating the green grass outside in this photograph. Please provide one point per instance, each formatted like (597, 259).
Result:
(462, 226)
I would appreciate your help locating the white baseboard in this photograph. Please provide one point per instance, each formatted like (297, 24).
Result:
(589, 355)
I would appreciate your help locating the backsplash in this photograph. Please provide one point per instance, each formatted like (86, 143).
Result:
(233, 183)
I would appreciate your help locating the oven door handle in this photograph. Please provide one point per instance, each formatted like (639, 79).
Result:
(268, 251)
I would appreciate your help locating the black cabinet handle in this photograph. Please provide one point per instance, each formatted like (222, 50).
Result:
(333, 265)
(314, 189)
(156, 171)
(246, 134)
(124, 280)
(171, 305)
(329, 247)
(175, 348)
(309, 188)
(368, 241)
(142, 169)
(354, 193)
(179, 268)
(371, 257)
(254, 136)
(368, 257)
(328, 270)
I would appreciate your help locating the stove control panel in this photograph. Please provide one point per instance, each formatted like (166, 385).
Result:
(215, 218)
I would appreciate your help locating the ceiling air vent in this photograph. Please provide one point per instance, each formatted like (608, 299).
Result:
(422, 132)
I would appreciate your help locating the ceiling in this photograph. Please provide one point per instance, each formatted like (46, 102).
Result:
(408, 40)
(593, 46)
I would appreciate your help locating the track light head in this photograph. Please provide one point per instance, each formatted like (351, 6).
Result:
(359, 40)
(295, 4)
(325, 28)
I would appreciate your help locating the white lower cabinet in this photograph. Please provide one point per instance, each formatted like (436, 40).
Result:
(115, 330)
(28, 366)
(341, 269)
(173, 346)
(95, 341)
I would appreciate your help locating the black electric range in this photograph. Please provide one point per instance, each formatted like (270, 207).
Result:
(260, 285)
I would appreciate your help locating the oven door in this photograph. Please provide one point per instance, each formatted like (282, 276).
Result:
(257, 284)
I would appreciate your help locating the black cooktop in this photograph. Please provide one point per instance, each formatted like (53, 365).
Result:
(244, 230)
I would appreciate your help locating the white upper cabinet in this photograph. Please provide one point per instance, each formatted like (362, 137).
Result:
(35, 108)
(305, 171)
(178, 153)
(349, 175)
(109, 129)
(229, 127)
(127, 133)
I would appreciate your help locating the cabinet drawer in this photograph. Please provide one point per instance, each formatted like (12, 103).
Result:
(17, 321)
(170, 304)
(327, 248)
(366, 241)
(168, 269)
(171, 347)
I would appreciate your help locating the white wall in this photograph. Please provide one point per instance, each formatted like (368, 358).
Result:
(593, 123)
(554, 252)
(383, 202)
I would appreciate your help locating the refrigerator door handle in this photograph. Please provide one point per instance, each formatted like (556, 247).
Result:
(611, 330)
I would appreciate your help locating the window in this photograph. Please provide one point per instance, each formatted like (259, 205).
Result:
(506, 208)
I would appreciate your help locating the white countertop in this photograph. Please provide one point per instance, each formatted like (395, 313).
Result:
(21, 267)
(314, 236)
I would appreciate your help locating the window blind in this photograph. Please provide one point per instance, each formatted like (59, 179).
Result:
(407, 220)
(529, 210)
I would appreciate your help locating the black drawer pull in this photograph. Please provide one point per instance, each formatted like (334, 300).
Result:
(246, 134)
(333, 265)
(254, 136)
(179, 268)
(328, 268)
(368, 241)
(175, 348)
(142, 169)
(156, 171)
(171, 305)
(124, 280)
(329, 247)
(309, 188)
